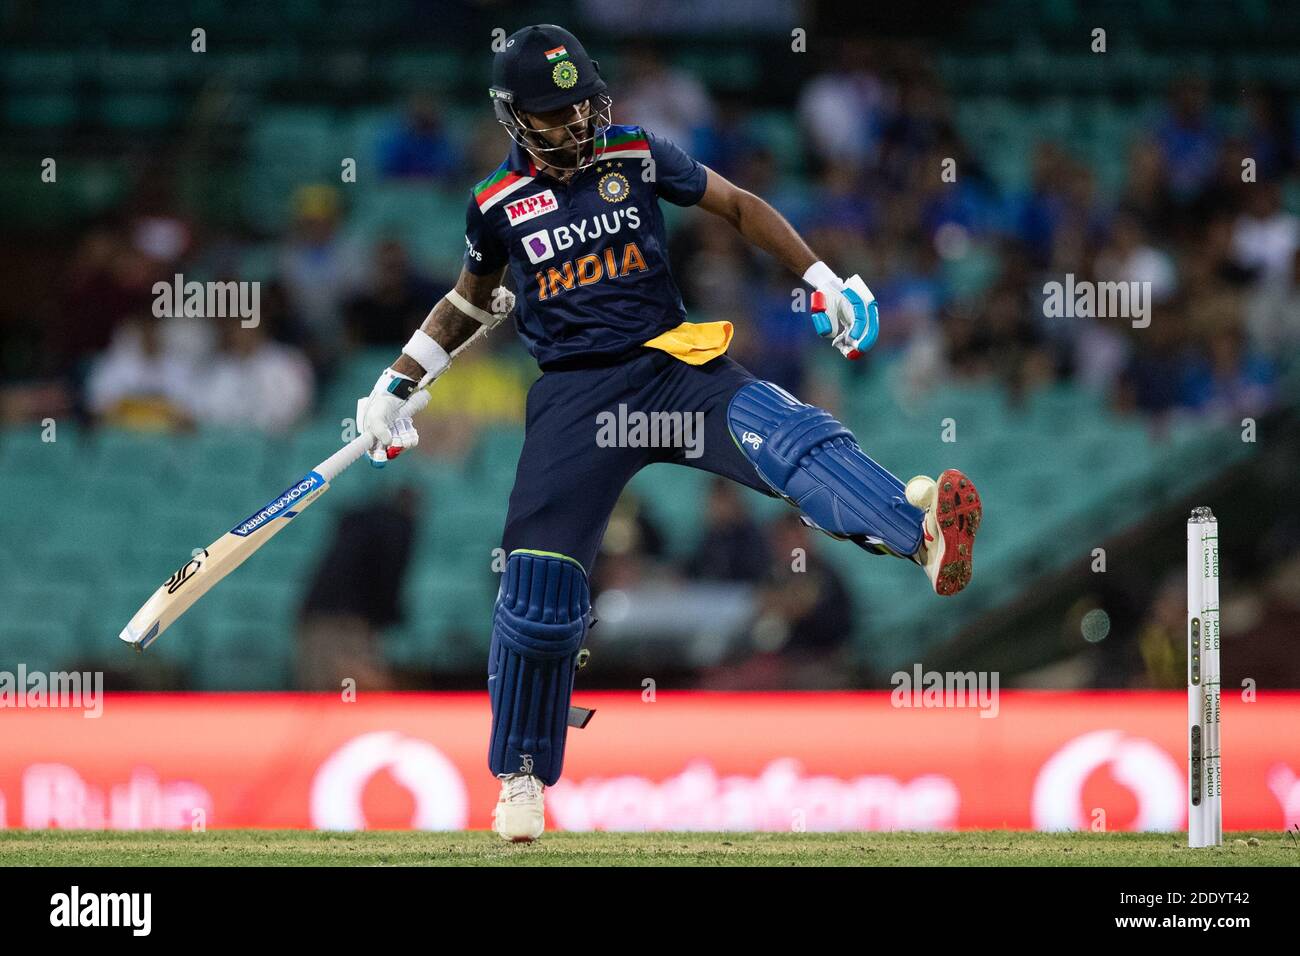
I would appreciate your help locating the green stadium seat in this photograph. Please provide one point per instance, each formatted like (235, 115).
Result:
(779, 132)
(736, 70)
(404, 211)
(289, 148)
(361, 133)
(252, 70)
(227, 452)
(60, 602)
(243, 656)
(424, 69)
(411, 646)
(123, 70)
(22, 452)
(30, 69)
(140, 111)
(53, 110)
(40, 645)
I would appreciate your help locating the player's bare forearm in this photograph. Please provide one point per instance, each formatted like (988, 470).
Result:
(758, 222)
(447, 325)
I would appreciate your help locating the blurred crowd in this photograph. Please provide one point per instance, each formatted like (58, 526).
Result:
(959, 266)
(886, 187)
(889, 190)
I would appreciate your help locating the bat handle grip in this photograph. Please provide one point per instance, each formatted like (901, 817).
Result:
(330, 468)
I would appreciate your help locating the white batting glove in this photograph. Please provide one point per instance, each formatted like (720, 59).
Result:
(377, 416)
(843, 311)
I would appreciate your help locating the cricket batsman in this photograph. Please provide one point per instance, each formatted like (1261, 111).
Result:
(573, 213)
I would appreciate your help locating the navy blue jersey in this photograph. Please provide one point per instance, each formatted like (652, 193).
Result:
(589, 257)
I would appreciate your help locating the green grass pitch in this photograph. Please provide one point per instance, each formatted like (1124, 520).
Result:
(480, 848)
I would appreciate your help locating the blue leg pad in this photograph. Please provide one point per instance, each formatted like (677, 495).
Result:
(814, 462)
(537, 630)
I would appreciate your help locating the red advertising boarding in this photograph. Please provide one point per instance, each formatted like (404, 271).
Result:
(684, 761)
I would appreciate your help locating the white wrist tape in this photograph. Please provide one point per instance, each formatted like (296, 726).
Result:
(464, 306)
(820, 276)
(431, 356)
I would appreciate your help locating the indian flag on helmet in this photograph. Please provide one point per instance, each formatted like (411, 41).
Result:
(559, 53)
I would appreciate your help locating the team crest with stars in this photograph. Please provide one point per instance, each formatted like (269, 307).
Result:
(565, 74)
(613, 187)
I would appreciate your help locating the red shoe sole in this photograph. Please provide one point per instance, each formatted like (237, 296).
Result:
(959, 512)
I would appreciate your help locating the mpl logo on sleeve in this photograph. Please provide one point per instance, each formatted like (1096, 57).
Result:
(530, 207)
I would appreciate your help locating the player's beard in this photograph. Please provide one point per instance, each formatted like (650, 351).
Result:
(576, 149)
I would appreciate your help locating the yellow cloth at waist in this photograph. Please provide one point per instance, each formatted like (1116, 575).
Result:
(694, 343)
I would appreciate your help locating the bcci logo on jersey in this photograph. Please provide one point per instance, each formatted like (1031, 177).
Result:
(613, 187)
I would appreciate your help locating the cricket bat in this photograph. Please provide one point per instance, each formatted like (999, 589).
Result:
(200, 573)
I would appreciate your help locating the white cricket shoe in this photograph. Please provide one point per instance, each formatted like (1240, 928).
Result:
(520, 815)
(953, 513)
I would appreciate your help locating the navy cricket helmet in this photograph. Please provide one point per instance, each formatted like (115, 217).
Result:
(544, 69)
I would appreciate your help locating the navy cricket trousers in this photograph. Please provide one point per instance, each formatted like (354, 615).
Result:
(566, 484)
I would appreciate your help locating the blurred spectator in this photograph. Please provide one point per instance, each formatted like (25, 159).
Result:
(1260, 622)
(1130, 257)
(276, 313)
(487, 385)
(1211, 261)
(964, 203)
(841, 203)
(727, 144)
(1273, 317)
(632, 545)
(733, 547)
(253, 382)
(140, 382)
(714, 269)
(1189, 141)
(419, 148)
(1231, 382)
(109, 279)
(1101, 354)
(911, 294)
(1152, 383)
(395, 299)
(772, 337)
(1058, 217)
(1162, 636)
(1001, 340)
(318, 271)
(917, 124)
(669, 102)
(790, 195)
(842, 110)
(1265, 237)
(1270, 136)
(806, 619)
(355, 593)
(1146, 193)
